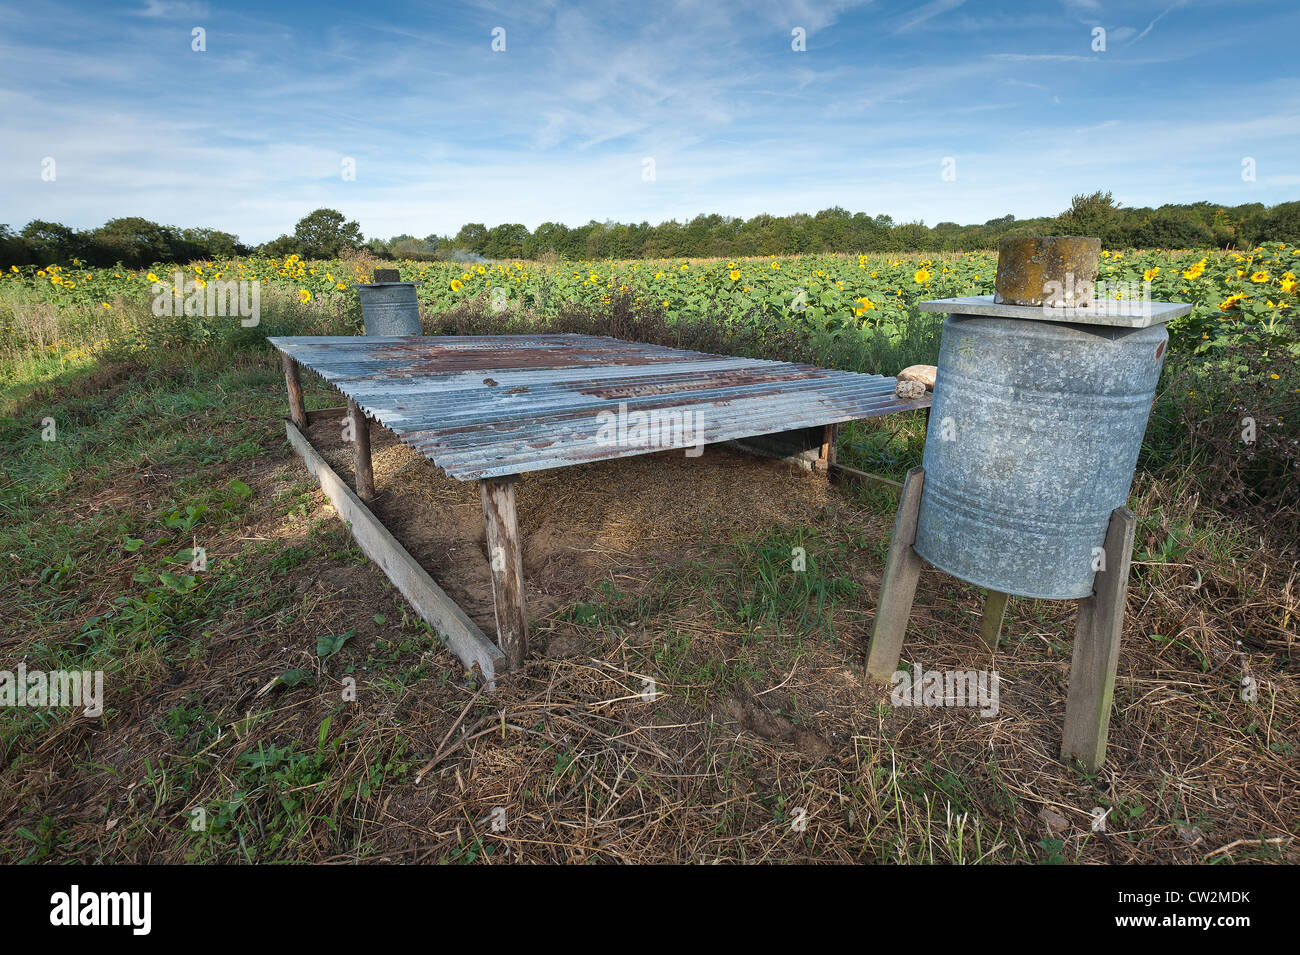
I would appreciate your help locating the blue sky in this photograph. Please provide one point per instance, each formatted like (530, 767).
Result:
(252, 133)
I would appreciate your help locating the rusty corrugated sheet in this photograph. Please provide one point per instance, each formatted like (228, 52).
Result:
(487, 406)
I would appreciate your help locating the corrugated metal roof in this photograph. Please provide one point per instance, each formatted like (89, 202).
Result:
(487, 406)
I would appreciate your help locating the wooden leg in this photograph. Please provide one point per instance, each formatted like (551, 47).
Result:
(507, 560)
(897, 584)
(363, 468)
(826, 457)
(1096, 648)
(297, 410)
(995, 606)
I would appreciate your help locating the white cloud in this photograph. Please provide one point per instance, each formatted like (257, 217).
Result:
(172, 9)
(923, 13)
(1152, 25)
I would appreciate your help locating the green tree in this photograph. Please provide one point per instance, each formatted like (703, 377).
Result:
(50, 242)
(1283, 222)
(472, 237)
(325, 233)
(505, 241)
(134, 241)
(1174, 227)
(1095, 214)
(914, 237)
(13, 250)
(211, 243)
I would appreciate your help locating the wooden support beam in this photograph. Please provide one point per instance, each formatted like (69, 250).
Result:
(469, 644)
(995, 607)
(325, 414)
(1096, 647)
(897, 584)
(843, 472)
(362, 467)
(507, 561)
(297, 410)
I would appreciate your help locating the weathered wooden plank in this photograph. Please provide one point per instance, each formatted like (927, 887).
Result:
(995, 608)
(897, 584)
(465, 640)
(363, 467)
(507, 560)
(1096, 647)
(293, 383)
(325, 414)
(840, 471)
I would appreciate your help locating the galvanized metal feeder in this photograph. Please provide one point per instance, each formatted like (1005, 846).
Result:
(1041, 400)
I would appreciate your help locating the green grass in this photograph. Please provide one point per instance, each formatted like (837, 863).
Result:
(786, 582)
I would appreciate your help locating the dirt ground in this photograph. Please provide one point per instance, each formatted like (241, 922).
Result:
(610, 521)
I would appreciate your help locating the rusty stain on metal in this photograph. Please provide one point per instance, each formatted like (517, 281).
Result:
(490, 405)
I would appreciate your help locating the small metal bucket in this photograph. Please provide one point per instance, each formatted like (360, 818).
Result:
(390, 308)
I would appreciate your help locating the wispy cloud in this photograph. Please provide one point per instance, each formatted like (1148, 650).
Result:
(1082, 7)
(173, 9)
(1152, 25)
(918, 16)
(1043, 58)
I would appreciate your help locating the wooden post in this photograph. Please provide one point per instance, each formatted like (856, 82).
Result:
(897, 584)
(507, 560)
(297, 410)
(362, 467)
(826, 456)
(995, 606)
(1096, 647)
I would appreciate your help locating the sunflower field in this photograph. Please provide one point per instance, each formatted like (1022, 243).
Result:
(1242, 299)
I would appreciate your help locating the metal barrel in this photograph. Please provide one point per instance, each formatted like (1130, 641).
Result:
(390, 308)
(1033, 440)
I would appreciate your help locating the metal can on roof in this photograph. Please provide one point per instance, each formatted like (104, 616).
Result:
(390, 308)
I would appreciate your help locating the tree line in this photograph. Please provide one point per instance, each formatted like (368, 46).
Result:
(327, 233)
